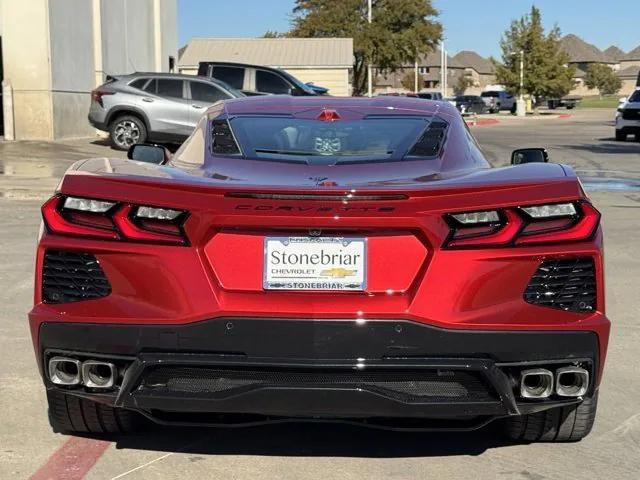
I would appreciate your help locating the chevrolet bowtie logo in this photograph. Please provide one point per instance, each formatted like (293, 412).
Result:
(338, 273)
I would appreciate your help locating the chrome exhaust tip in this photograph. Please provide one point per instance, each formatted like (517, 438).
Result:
(96, 374)
(64, 371)
(572, 381)
(536, 383)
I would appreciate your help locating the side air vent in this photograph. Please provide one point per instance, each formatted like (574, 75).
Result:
(71, 277)
(565, 284)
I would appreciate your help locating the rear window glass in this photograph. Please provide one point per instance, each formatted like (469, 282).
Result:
(490, 94)
(369, 140)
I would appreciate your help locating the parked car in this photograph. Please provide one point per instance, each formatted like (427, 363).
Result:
(426, 95)
(568, 101)
(470, 104)
(359, 261)
(628, 117)
(256, 79)
(157, 107)
(497, 100)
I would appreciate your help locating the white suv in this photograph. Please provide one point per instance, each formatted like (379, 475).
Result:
(628, 117)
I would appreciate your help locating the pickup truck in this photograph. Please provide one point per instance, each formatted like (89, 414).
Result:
(569, 102)
(497, 100)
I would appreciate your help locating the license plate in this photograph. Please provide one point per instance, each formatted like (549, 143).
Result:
(314, 263)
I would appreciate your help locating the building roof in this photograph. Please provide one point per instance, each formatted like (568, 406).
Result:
(613, 53)
(631, 72)
(633, 54)
(432, 59)
(580, 51)
(470, 59)
(275, 52)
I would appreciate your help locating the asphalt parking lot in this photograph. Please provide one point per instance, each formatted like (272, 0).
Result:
(610, 171)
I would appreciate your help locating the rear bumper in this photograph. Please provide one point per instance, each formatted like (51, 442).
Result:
(189, 374)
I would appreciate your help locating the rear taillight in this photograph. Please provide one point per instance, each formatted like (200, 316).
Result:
(524, 225)
(96, 96)
(114, 221)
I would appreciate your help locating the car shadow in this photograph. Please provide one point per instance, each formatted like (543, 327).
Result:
(606, 146)
(314, 439)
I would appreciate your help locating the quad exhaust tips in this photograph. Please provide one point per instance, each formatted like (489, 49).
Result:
(536, 383)
(572, 381)
(90, 373)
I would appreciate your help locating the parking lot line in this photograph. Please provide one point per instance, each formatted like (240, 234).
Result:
(73, 460)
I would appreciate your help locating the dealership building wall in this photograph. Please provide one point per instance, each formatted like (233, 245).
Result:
(54, 52)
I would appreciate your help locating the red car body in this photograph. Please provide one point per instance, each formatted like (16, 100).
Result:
(193, 299)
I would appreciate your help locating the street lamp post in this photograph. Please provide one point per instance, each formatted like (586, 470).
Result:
(521, 108)
(369, 69)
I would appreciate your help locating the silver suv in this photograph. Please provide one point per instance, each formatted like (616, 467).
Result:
(157, 107)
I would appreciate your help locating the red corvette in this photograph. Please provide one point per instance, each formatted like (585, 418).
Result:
(322, 259)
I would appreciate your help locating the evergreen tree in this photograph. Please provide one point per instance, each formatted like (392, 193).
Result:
(603, 78)
(546, 70)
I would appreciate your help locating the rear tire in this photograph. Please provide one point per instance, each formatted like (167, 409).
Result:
(127, 130)
(71, 414)
(621, 136)
(564, 424)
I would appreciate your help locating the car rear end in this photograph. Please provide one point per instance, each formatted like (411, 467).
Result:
(439, 305)
(113, 94)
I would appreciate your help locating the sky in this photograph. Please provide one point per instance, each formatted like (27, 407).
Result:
(468, 24)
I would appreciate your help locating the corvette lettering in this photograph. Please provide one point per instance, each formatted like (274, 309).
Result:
(324, 209)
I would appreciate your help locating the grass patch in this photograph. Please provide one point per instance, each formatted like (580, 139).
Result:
(597, 102)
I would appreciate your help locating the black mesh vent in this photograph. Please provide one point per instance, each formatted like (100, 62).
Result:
(565, 284)
(631, 113)
(71, 277)
(412, 386)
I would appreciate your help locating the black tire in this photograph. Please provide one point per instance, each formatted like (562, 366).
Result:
(70, 414)
(621, 136)
(564, 424)
(127, 130)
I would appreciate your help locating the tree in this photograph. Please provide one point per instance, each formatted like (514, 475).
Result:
(603, 78)
(409, 80)
(400, 31)
(546, 73)
(273, 34)
(462, 83)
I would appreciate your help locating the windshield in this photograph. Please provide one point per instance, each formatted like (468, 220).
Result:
(635, 97)
(315, 142)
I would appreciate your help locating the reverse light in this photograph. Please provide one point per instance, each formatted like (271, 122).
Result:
(476, 217)
(87, 205)
(552, 210)
(158, 213)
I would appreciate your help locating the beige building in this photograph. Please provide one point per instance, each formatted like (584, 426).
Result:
(478, 69)
(54, 52)
(429, 68)
(629, 71)
(326, 62)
